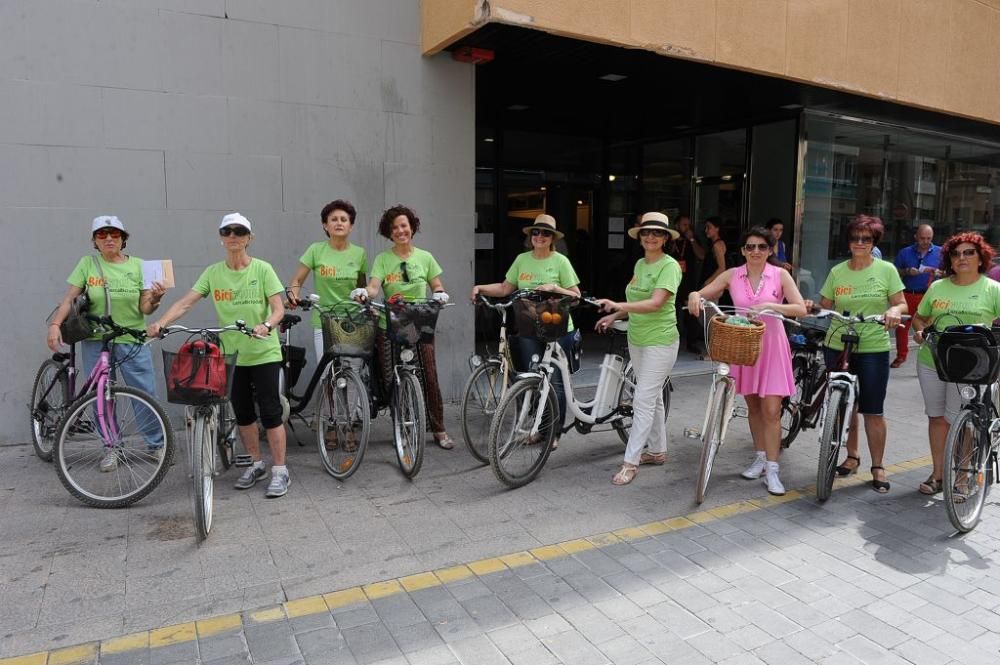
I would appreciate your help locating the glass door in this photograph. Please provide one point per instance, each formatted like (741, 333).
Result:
(719, 184)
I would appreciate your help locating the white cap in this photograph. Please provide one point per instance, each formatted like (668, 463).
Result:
(235, 218)
(107, 221)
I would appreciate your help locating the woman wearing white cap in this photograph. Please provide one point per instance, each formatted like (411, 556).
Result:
(542, 269)
(120, 275)
(248, 289)
(653, 340)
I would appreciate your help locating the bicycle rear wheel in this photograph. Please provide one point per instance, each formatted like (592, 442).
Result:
(518, 450)
(480, 399)
(966, 454)
(830, 442)
(712, 437)
(409, 423)
(625, 395)
(791, 406)
(202, 446)
(343, 422)
(48, 403)
(114, 460)
(225, 435)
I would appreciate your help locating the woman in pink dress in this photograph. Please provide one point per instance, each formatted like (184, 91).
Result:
(757, 285)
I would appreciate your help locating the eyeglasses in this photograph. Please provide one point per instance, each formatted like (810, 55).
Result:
(861, 240)
(955, 253)
(104, 233)
(238, 231)
(406, 275)
(541, 232)
(656, 233)
(758, 246)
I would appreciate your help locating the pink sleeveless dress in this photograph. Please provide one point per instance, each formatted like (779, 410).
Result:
(772, 375)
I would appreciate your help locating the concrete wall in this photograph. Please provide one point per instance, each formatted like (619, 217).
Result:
(170, 113)
(935, 54)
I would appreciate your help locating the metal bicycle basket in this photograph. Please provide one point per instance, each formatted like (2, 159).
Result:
(348, 331)
(412, 323)
(547, 319)
(198, 373)
(966, 354)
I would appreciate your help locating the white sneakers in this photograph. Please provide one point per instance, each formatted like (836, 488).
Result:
(756, 469)
(769, 470)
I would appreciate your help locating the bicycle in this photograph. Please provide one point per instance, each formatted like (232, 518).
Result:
(342, 420)
(801, 411)
(969, 355)
(51, 394)
(203, 389)
(114, 444)
(838, 404)
(526, 420)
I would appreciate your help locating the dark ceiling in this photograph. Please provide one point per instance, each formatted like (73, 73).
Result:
(557, 79)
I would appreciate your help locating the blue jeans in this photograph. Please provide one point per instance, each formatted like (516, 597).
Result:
(137, 372)
(521, 350)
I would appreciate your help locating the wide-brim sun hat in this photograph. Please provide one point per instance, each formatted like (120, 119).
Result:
(653, 220)
(546, 223)
(235, 219)
(106, 222)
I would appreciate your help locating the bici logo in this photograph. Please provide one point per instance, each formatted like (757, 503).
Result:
(328, 271)
(223, 295)
(843, 291)
(95, 281)
(526, 277)
(941, 303)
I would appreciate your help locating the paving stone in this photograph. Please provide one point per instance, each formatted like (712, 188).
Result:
(593, 624)
(174, 653)
(572, 647)
(211, 648)
(625, 650)
(478, 650)
(417, 637)
(489, 612)
(397, 610)
(715, 645)
(324, 644)
(370, 643)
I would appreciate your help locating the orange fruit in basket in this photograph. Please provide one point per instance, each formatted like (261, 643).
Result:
(546, 317)
(556, 318)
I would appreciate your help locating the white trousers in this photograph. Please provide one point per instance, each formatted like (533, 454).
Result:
(651, 366)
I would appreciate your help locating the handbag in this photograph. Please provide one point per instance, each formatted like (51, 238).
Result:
(198, 373)
(76, 327)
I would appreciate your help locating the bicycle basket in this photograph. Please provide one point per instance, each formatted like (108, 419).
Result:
(348, 333)
(966, 354)
(412, 323)
(732, 344)
(198, 373)
(548, 319)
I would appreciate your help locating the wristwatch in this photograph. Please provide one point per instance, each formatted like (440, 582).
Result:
(267, 324)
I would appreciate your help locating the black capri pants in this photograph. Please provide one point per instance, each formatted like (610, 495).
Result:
(256, 383)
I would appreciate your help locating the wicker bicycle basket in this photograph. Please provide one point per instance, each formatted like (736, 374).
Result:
(548, 320)
(966, 354)
(198, 375)
(348, 332)
(732, 344)
(412, 323)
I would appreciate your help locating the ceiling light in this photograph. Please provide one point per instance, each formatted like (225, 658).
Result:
(613, 78)
(488, 139)
(790, 107)
(611, 177)
(543, 188)
(579, 203)
(517, 107)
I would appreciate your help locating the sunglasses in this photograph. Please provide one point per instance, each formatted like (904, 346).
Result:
(656, 233)
(541, 232)
(956, 253)
(238, 231)
(104, 233)
(406, 275)
(862, 240)
(758, 246)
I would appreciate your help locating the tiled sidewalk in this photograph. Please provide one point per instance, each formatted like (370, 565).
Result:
(862, 579)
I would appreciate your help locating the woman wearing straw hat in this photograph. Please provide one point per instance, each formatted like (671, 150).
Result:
(653, 340)
(542, 269)
(757, 285)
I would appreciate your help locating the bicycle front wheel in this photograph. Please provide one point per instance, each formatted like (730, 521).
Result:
(48, 403)
(225, 435)
(409, 423)
(623, 426)
(830, 442)
(110, 454)
(343, 422)
(712, 437)
(965, 476)
(522, 432)
(483, 391)
(202, 473)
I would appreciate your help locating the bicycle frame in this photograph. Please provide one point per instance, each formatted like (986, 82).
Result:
(502, 356)
(721, 381)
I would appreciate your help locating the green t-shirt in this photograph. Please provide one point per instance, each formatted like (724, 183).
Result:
(947, 304)
(527, 272)
(335, 273)
(861, 292)
(243, 294)
(421, 268)
(124, 284)
(657, 328)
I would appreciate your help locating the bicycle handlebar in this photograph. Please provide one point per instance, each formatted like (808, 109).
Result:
(115, 329)
(848, 318)
(238, 326)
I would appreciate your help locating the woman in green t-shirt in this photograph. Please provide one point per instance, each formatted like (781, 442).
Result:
(864, 285)
(406, 271)
(542, 269)
(337, 265)
(652, 340)
(966, 295)
(121, 276)
(247, 289)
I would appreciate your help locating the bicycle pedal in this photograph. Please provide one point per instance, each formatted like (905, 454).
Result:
(243, 460)
(692, 433)
(739, 412)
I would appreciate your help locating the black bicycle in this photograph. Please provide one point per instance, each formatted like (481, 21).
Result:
(801, 411)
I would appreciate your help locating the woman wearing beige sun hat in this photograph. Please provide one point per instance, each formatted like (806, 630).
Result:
(652, 340)
(542, 269)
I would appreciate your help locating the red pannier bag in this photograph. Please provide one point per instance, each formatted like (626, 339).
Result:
(197, 374)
